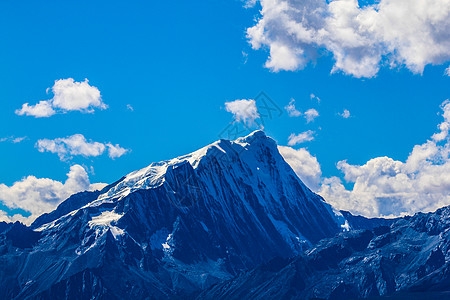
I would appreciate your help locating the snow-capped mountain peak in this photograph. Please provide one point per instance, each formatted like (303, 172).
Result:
(211, 214)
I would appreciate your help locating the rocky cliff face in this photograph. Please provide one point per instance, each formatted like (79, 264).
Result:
(408, 259)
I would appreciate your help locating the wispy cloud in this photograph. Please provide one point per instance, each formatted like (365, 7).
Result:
(69, 95)
(314, 97)
(447, 71)
(291, 110)
(245, 56)
(303, 137)
(77, 144)
(13, 139)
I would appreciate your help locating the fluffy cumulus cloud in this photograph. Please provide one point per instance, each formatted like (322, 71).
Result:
(360, 38)
(243, 111)
(384, 186)
(77, 144)
(68, 95)
(292, 110)
(304, 164)
(311, 114)
(387, 187)
(40, 195)
(295, 139)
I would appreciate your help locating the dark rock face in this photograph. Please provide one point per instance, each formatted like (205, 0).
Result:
(171, 229)
(407, 260)
(359, 222)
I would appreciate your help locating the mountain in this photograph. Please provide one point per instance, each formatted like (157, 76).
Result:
(171, 229)
(410, 259)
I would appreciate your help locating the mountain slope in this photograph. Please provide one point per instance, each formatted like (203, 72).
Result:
(173, 228)
(409, 259)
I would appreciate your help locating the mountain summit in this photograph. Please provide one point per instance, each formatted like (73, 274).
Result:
(172, 228)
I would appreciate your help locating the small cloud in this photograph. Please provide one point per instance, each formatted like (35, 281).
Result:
(68, 95)
(291, 110)
(12, 139)
(314, 97)
(19, 139)
(295, 139)
(249, 3)
(129, 107)
(311, 114)
(115, 151)
(243, 111)
(245, 56)
(447, 71)
(345, 114)
(77, 144)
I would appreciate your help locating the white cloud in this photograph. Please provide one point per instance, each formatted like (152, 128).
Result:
(43, 109)
(387, 187)
(245, 56)
(447, 71)
(40, 195)
(314, 97)
(243, 111)
(384, 186)
(360, 38)
(345, 114)
(311, 114)
(78, 145)
(295, 139)
(291, 110)
(115, 151)
(129, 107)
(13, 139)
(304, 164)
(69, 95)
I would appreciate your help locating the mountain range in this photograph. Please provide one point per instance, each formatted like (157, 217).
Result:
(231, 220)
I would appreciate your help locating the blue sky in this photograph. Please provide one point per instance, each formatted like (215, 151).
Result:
(177, 64)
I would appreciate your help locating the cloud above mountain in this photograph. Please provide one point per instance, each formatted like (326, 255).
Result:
(243, 110)
(304, 165)
(295, 139)
(383, 186)
(77, 144)
(68, 95)
(40, 195)
(360, 38)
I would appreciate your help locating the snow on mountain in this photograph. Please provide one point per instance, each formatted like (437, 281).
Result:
(172, 228)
